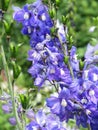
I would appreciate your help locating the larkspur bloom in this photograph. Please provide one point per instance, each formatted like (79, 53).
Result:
(94, 121)
(46, 51)
(7, 108)
(61, 105)
(42, 121)
(12, 121)
(77, 89)
(35, 20)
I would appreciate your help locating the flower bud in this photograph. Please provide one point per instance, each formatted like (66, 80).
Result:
(12, 121)
(64, 19)
(69, 38)
(57, 2)
(16, 70)
(13, 50)
(7, 27)
(24, 101)
(52, 12)
(5, 4)
(53, 31)
(81, 64)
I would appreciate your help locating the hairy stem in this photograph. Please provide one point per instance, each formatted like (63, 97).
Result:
(11, 90)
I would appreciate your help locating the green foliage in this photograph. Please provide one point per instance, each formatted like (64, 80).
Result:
(82, 15)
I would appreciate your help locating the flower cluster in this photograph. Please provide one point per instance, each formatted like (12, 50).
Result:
(42, 121)
(38, 120)
(7, 107)
(77, 88)
(46, 53)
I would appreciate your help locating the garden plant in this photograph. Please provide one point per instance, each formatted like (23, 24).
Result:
(63, 92)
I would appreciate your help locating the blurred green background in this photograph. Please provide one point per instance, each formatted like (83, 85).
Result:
(82, 15)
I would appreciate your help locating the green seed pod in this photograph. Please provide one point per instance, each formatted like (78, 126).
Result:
(57, 2)
(69, 38)
(13, 50)
(64, 19)
(5, 4)
(24, 101)
(52, 12)
(81, 64)
(7, 27)
(16, 70)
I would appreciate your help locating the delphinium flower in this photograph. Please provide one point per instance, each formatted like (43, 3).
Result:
(87, 95)
(7, 108)
(43, 121)
(91, 55)
(94, 121)
(35, 20)
(77, 89)
(46, 54)
(61, 105)
(73, 59)
(79, 98)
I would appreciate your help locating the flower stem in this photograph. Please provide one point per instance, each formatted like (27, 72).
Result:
(89, 128)
(10, 87)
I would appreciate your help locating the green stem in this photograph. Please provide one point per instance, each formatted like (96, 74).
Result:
(89, 128)
(71, 71)
(10, 87)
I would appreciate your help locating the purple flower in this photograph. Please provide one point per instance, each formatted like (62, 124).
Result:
(7, 108)
(61, 105)
(73, 59)
(35, 20)
(53, 123)
(30, 114)
(91, 74)
(44, 121)
(91, 55)
(82, 119)
(39, 121)
(21, 15)
(12, 121)
(61, 32)
(91, 51)
(94, 120)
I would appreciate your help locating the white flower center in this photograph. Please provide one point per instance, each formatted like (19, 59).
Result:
(48, 37)
(86, 74)
(83, 101)
(29, 29)
(52, 71)
(26, 16)
(95, 77)
(39, 46)
(91, 93)
(62, 71)
(64, 103)
(34, 128)
(75, 57)
(88, 112)
(43, 17)
(34, 54)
